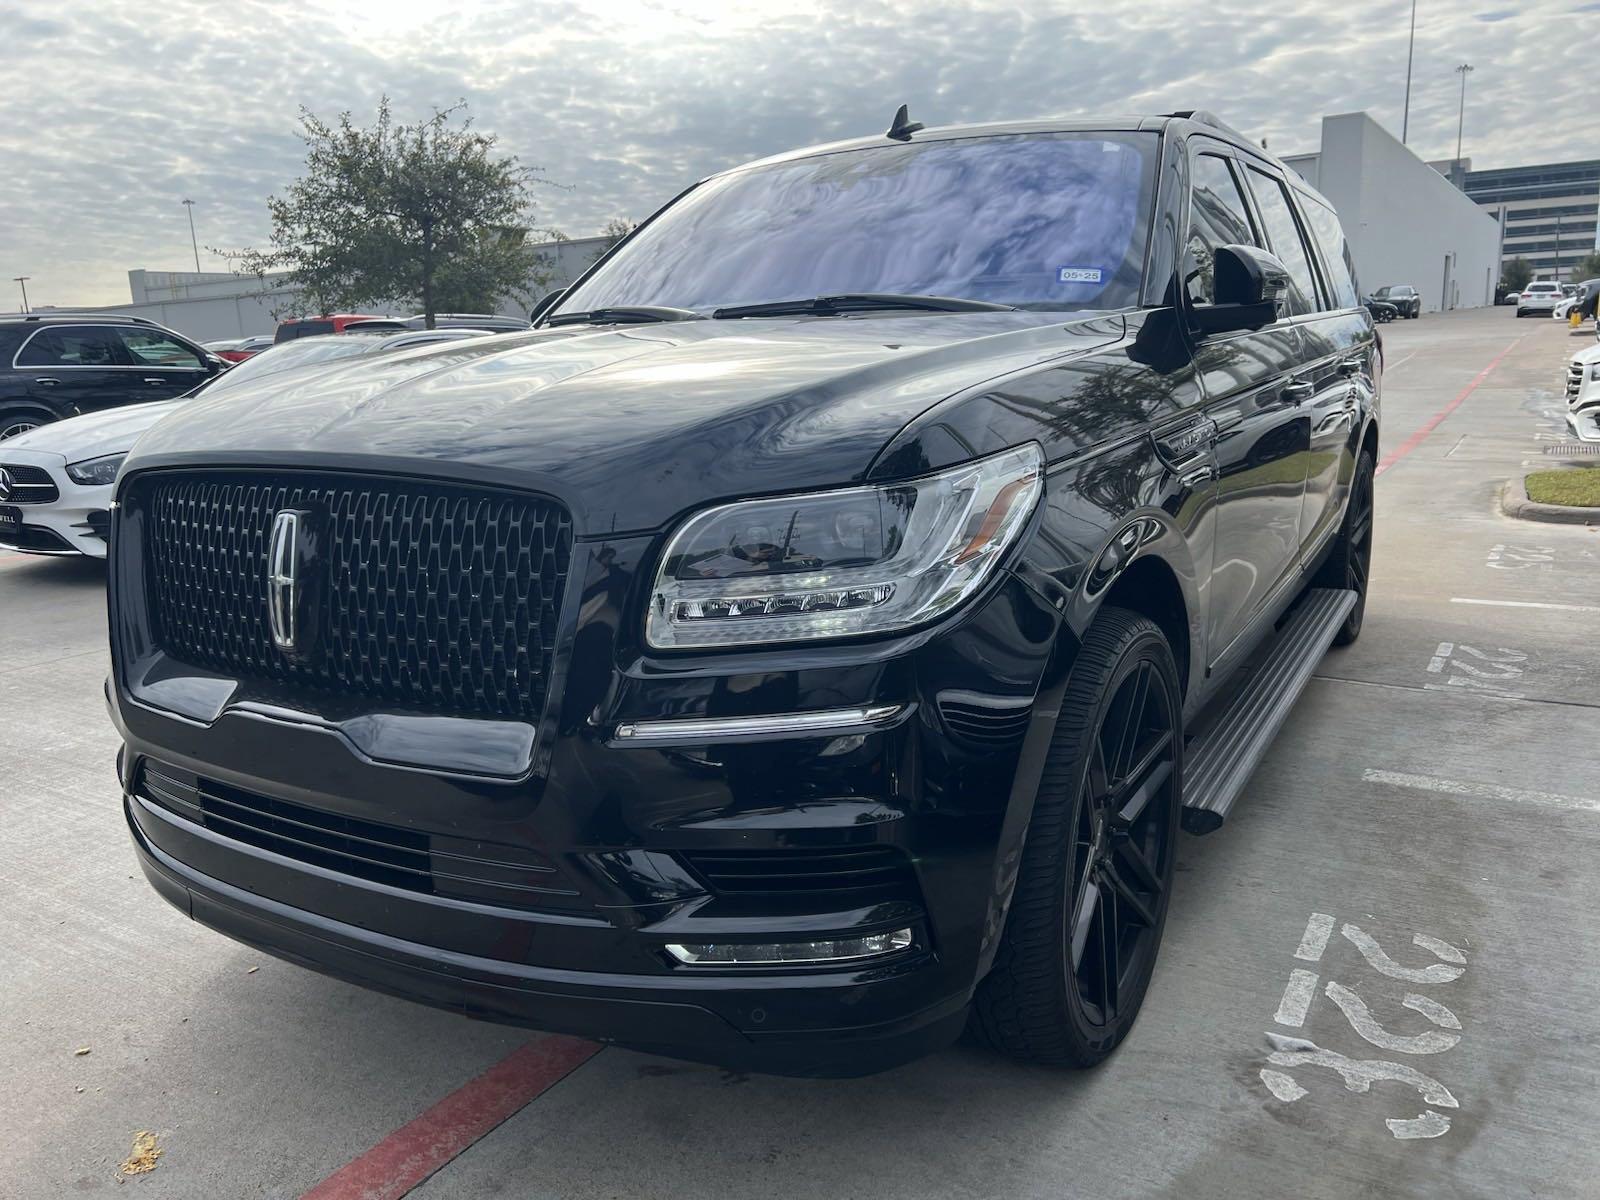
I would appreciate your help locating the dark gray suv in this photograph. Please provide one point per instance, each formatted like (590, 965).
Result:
(59, 365)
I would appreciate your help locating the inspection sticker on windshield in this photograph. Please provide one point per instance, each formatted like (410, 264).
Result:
(1079, 275)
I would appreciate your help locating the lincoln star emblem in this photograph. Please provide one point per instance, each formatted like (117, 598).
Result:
(6, 484)
(282, 564)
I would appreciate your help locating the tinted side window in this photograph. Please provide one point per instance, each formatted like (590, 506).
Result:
(1329, 234)
(1272, 198)
(151, 348)
(1217, 217)
(300, 329)
(72, 347)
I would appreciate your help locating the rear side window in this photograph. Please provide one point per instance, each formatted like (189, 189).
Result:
(1283, 232)
(1329, 234)
(290, 330)
(1217, 217)
(78, 346)
(151, 348)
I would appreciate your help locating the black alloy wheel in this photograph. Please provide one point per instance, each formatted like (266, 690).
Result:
(1350, 561)
(1091, 897)
(1121, 846)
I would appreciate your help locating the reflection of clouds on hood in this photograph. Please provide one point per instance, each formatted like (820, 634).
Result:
(627, 101)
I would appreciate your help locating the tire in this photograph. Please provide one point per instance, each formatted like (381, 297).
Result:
(14, 421)
(1097, 866)
(1349, 563)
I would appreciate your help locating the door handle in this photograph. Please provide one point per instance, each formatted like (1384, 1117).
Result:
(157, 382)
(1351, 366)
(1299, 392)
(46, 380)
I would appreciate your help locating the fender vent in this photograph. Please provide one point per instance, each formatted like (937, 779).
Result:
(986, 720)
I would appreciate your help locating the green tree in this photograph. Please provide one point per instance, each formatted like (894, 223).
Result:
(425, 214)
(1518, 274)
(1588, 268)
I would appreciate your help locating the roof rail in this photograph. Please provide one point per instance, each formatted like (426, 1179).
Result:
(1202, 116)
(72, 314)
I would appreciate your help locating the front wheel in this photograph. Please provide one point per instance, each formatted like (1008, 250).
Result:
(1350, 560)
(1091, 896)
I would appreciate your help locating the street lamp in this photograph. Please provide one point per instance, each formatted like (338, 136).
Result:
(1411, 47)
(1463, 70)
(189, 204)
(22, 280)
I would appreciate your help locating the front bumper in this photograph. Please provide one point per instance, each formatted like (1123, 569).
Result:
(640, 836)
(76, 522)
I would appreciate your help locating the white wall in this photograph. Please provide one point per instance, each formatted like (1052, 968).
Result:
(1406, 222)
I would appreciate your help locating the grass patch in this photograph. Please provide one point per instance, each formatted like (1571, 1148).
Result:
(1576, 487)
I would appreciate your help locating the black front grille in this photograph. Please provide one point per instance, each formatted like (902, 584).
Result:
(830, 875)
(434, 864)
(36, 538)
(423, 595)
(30, 485)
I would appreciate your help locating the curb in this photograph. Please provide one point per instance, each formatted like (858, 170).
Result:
(1514, 502)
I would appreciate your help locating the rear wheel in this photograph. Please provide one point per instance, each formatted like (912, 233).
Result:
(1350, 560)
(1091, 896)
(14, 421)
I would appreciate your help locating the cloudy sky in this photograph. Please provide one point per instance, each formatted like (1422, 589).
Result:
(113, 111)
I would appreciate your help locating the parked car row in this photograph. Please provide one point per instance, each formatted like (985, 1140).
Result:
(56, 478)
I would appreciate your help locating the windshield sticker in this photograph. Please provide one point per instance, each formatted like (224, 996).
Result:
(1079, 275)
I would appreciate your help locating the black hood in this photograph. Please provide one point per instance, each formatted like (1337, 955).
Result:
(630, 426)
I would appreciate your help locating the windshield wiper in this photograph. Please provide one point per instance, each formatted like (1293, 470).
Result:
(829, 306)
(638, 314)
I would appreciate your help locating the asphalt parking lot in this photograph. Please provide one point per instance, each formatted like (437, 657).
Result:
(1378, 978)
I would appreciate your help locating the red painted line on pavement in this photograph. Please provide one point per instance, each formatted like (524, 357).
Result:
(417, 1149)
(1415, 440)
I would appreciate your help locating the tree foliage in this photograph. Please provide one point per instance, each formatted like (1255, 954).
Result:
(1588, 267)
(1518, 274)
(425, 214)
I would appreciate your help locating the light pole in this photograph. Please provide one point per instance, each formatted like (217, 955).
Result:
(1411, 47)
(189, 204)
(23, 281)
(1463, 70)
(1558, 247)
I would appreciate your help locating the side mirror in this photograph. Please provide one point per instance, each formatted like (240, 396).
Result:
(215, 365)
(545, 303)
(1250, 285)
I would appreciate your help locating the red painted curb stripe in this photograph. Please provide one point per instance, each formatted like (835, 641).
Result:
(1415, 440)
(419, 1148)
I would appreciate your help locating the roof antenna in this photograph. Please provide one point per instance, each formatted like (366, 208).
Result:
(902, 127)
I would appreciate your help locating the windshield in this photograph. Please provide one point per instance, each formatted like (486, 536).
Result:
(287, 355)
(1051, 221)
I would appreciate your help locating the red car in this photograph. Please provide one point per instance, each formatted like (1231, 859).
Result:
(298, 327)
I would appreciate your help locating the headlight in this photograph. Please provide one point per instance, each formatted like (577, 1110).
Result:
(1594, 372)
(96, 472)
(841, 564)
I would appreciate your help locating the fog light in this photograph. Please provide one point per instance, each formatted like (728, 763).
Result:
(740, 954)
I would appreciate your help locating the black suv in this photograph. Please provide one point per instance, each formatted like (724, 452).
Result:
(810, 645)
(1405, 298)
(57, 365)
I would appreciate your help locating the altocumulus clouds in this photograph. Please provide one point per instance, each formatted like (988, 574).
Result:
(115, 110)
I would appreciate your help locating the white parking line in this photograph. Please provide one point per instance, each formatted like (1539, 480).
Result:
(1481, 791)
(1587, 608)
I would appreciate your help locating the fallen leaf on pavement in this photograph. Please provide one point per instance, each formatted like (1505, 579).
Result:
(144, 1154)
(80, 1052)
